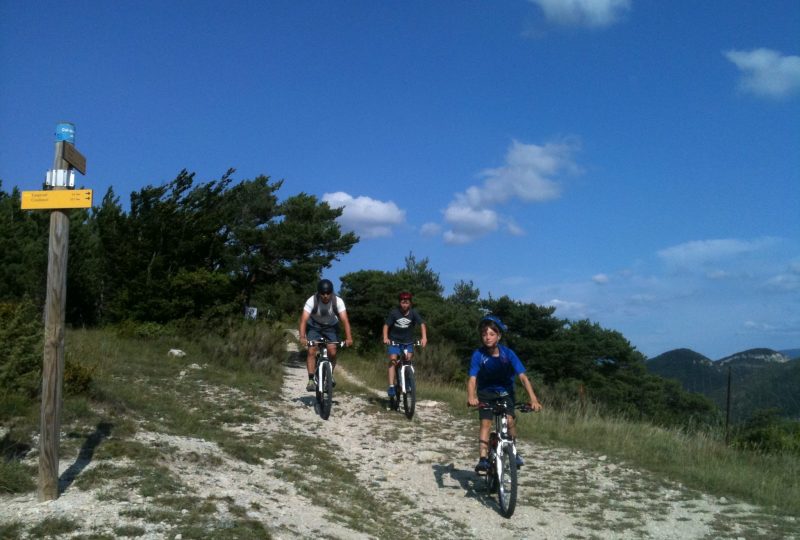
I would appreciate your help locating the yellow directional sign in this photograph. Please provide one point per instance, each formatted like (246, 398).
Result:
(56, 199)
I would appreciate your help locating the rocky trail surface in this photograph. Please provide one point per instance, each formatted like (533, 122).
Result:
(368, 472)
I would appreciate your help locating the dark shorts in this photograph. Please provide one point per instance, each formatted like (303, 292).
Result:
(492, 398)
(314, 333)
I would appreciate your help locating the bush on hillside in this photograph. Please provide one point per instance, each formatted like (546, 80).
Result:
(256, 345)
(439, 363)
(21, 339)
(766, 431)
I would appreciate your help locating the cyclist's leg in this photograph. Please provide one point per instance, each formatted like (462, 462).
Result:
(313, 334)
(487, 419)
(483, 437)
(391, 370)
(512, 416)
(329, 333)
(393, 352)
(332, 355)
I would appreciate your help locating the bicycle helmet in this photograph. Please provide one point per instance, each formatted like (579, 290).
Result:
(324, 286)
(487, 319)
(404, 296)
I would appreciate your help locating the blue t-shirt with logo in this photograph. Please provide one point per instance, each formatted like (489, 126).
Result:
(495, 373)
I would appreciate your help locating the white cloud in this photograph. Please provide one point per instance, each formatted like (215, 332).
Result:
(514, 229)
(766, 72)
(704, 251)
(784, 282)
(567, 309)
(527, 176)
(367, 217)
(430, 229)
(600, 279)
(468, 223)
(591, 13)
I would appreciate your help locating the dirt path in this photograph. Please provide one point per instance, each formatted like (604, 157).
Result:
(563, 493)
(370, 473)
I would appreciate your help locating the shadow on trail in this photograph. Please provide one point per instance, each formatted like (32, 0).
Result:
(103, 431)
(468, 481)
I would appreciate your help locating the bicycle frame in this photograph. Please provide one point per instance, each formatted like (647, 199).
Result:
(500, 438)
(322, 358)
(502, 474)
(403, 362)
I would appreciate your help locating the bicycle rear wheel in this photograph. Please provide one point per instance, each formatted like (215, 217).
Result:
(327, 392)
(507, 482)
(410, 397)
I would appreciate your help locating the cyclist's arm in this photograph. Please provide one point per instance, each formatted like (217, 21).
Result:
(348, 337)
(424, 330)
(386, 334)
(533, 401)
(472, 391)
(303, 324)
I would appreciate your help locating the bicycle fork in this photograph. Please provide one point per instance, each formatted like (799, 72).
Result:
(509, 451)
(320, 370)
(401, 377)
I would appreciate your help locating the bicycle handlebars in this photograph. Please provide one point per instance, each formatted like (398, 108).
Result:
(396, 344)
(500, 408)
(319, 342)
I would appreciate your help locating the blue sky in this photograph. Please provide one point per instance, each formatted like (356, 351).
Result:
(632, 162)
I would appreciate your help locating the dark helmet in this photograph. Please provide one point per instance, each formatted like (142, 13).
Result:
(324, 286)
(490, 320)
(404, 296)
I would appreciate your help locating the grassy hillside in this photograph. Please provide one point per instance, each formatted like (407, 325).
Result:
(135, 387)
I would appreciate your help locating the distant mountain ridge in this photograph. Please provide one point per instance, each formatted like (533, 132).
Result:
(755, 358)
(791, 353)
(760, 379)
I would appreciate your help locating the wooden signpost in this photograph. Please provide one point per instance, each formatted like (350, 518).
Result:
(58, 198)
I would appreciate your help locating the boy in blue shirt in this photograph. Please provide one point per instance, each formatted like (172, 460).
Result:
(491, 379)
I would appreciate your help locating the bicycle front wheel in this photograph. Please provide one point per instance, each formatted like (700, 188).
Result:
(327, 391)
(507, 481)
(410, 396)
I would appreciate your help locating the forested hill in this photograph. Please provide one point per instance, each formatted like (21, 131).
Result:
(761, 379)
(195, 255)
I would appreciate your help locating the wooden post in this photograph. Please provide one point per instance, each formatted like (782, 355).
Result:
(728, 410)
(53, 357)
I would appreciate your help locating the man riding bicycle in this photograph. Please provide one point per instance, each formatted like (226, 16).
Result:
(320, 319)
(491, 380)
(399, 328)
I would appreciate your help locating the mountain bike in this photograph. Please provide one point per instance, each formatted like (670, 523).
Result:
(502, 474)
(405, 383)
(323, 370)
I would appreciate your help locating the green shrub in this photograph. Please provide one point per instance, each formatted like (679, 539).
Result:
(77, 378)
(767, 432)
(439, 363)
(21, 342)
(15, 477)
(143, 330)
(258, 346)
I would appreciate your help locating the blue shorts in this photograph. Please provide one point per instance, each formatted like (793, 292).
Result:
(494, 397)
(314, 333)
(397, 349)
